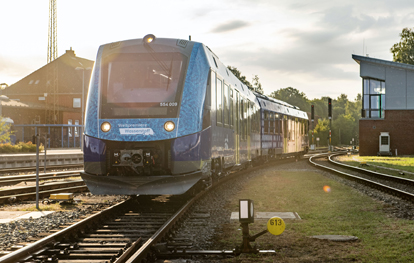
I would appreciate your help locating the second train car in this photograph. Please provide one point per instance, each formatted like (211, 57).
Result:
(165, 114)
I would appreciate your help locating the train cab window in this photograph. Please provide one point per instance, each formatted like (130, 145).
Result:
(219, 102)
(142, 85)
(226, 104)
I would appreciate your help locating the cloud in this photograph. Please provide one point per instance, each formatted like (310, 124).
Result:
(230, 26)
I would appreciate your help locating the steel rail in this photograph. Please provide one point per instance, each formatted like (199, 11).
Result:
(387, 189)
(25, 193)
(138, 252)
(142, 252)
(14, 179)
(33, 168)
(372, 173)
(24, 252)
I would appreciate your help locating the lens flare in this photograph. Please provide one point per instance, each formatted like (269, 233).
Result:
(327, 189)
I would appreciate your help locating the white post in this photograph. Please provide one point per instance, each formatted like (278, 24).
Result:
(37, 170)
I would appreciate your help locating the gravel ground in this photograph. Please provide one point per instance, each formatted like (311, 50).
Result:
(20, 231)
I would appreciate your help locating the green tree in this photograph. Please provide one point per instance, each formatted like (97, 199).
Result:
(293, 97)
(321, 131)
(403, 51)
(4, 131)
(320, 107)
(257, 86)
(343, 129)
(238, 74)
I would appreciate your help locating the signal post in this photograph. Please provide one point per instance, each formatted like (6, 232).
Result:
(330, 123)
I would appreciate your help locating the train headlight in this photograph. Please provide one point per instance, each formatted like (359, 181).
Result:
(169, 126)
(106, 126)
(149, 38)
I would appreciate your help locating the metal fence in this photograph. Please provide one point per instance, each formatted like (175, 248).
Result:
(61, 135)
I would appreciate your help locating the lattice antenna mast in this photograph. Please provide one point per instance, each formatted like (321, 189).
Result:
(52, 111)
(52, 35)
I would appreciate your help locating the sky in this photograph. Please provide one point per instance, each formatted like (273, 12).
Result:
(307, 45)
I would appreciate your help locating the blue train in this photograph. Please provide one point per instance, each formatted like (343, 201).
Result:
(164, 115)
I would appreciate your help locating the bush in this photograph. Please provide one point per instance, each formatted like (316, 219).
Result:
(20, 147)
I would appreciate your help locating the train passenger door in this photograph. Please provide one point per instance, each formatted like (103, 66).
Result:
(236, 118)
(296, 135)
(249, 128)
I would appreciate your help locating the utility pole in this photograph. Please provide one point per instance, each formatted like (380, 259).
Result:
(52, 111)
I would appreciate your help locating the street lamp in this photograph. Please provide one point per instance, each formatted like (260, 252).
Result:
(83, 99)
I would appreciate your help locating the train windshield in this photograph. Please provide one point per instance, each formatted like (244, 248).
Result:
(137, 85)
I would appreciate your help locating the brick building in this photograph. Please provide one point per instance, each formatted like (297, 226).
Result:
(73, 74)
(387, 107)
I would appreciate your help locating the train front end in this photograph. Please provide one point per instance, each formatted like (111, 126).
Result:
(143, 128)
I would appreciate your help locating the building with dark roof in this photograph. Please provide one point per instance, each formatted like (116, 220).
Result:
(387, 122)
(30, 97)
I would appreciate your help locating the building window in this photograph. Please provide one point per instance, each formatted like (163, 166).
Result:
(76, 102)
(70, 128)
(76, 128)
(373, 101)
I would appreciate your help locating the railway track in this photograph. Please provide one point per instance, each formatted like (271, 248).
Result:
(15, 179)
(41, 168)
(16, 194)
(396, 186)
(127, 232)
(51, 183)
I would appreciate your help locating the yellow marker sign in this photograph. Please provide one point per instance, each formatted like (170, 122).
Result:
(276, 226)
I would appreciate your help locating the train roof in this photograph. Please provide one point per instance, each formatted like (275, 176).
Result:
(279, 106)
(224, 72)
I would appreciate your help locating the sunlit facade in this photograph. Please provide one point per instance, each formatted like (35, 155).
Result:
(387, 106)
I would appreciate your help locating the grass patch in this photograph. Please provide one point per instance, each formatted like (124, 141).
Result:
(342, 211)
(376, 162)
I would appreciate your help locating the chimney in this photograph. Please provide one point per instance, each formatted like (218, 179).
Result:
(70, 52)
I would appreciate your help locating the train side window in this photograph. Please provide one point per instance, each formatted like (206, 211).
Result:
(254, 119)
(277, 128)
(249, 118)
(219, 102)
(207, 103)
(242, 118)
(231, 106)
(266, 122)
(245, 112)
(226, 104)
(272, 123)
